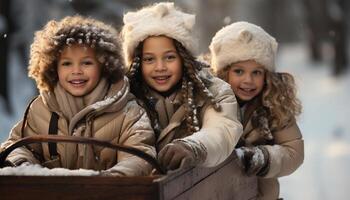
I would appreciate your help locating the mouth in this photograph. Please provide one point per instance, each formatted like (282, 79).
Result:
(78, 82)
(247, 91)
(161, 79)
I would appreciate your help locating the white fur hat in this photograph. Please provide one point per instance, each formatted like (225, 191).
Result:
(242, 41)
(159, 19)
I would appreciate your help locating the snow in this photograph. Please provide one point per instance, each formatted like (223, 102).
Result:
(143, 123)
(37, 170)
(325, 127)
(324, 123)
(105, 102)
(239, 153)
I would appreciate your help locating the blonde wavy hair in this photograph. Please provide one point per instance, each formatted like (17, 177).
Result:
(280, 105)
(49, 42)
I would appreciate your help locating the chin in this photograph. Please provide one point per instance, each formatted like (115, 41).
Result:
(246, 98)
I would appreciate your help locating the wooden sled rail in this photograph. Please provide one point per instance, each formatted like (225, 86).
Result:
(226, 181)
(82, 140)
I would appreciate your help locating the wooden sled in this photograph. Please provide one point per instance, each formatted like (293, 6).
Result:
(225, 181)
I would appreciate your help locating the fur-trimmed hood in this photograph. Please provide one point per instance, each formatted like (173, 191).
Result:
(158, 19)
(242, 41)
(49, 41)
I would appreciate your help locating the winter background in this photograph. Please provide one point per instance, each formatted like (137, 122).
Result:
(325, 96)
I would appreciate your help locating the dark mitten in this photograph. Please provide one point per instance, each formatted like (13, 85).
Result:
(8, 163)
(180, 154)
(255, 160)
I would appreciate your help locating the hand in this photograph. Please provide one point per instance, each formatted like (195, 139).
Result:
(254, 160)
(109, 173)
(176, 155)
(8, 163)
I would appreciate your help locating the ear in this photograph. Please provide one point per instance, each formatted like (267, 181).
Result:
(245, 36)
(215, 47)
(274, 45)
(129, 27)
(129, 17)
(162, 9)
(189, 21)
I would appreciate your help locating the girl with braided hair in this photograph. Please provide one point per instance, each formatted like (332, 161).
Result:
(271, 146)
(79, 71)
(193, 113)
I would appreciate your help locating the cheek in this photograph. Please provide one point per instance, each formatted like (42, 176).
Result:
(233, 80)
(144, 71)
(260, 83)
(178, 70)
(61, 73)
(234, 86)
(97, 75)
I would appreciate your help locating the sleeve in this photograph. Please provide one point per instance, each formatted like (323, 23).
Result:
(22, 154)
(137, 132)
(288, 152)
(221, 130)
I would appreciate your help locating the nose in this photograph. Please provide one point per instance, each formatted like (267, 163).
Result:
(160, 65)
(248, 78)
(77, 69)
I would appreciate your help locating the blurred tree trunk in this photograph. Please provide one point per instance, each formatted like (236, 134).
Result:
(327, 22)
(210, 19)
(339, 38)
(4, 49)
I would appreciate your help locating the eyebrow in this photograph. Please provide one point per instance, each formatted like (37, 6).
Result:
(69, 58)
(168, 51)
(258, 67)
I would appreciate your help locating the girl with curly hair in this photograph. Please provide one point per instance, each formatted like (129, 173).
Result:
(79, 71)
(193, 113)
(271, 146)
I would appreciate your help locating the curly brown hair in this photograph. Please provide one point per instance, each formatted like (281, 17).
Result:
(280, 104)
(192, 86)
(49, 42)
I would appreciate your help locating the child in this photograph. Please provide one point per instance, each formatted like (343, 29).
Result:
(243, 54)
(193, 113)
(78, 68)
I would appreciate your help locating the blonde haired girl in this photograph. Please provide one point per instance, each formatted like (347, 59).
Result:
(271, 146)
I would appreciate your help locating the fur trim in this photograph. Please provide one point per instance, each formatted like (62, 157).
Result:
(49, 41)
(242, 41)
(159, 19)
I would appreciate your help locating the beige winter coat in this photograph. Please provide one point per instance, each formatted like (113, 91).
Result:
(117, 118)
(286, 154)
(219, 131)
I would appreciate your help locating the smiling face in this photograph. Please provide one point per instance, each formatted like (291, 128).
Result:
(161, 64)
(246, 79)
(78, 69)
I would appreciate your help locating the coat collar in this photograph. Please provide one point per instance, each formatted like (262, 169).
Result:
(174, 122)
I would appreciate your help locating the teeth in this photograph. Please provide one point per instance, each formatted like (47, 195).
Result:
(247, 90)
(77, 81)
(162, 78)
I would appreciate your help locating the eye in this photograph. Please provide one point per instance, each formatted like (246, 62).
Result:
(66, 63)
(258, 72)
(148, 59)
(170, 57)
(238, 71)
(87, 62)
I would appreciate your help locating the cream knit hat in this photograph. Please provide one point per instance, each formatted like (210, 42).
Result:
(158, 19)
(242, 41)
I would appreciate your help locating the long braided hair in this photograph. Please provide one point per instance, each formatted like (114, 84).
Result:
(192, 86)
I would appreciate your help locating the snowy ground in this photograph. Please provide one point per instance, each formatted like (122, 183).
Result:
(325, 127)
(324, 124)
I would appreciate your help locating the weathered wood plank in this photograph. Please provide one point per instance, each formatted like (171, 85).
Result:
(58, 187)
(225, 181)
